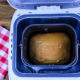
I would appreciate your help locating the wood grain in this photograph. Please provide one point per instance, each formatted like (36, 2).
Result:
(6, 13)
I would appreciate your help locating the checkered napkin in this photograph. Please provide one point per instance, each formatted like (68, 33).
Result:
(4, 44)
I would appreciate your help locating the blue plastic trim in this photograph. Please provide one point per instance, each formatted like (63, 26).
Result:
(20, 5)
(15, 48)
(32, 4)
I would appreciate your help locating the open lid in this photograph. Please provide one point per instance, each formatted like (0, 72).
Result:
(32, 4)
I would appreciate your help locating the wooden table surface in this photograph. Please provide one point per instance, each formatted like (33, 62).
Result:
(6, 13)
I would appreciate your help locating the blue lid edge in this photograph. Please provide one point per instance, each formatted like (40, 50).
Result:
(32, 5)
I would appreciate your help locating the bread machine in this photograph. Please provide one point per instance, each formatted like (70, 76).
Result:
(40, 12)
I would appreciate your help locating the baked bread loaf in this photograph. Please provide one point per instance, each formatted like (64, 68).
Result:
(50, 48)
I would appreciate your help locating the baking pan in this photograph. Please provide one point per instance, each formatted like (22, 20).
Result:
(34, 29)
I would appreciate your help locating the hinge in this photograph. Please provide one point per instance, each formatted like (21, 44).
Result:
(48, 8)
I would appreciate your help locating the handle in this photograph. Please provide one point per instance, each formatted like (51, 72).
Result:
(37, 69)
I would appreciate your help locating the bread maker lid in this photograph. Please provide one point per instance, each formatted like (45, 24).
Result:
(32, 4)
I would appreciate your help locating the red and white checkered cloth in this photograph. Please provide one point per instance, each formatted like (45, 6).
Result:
(4, 44)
